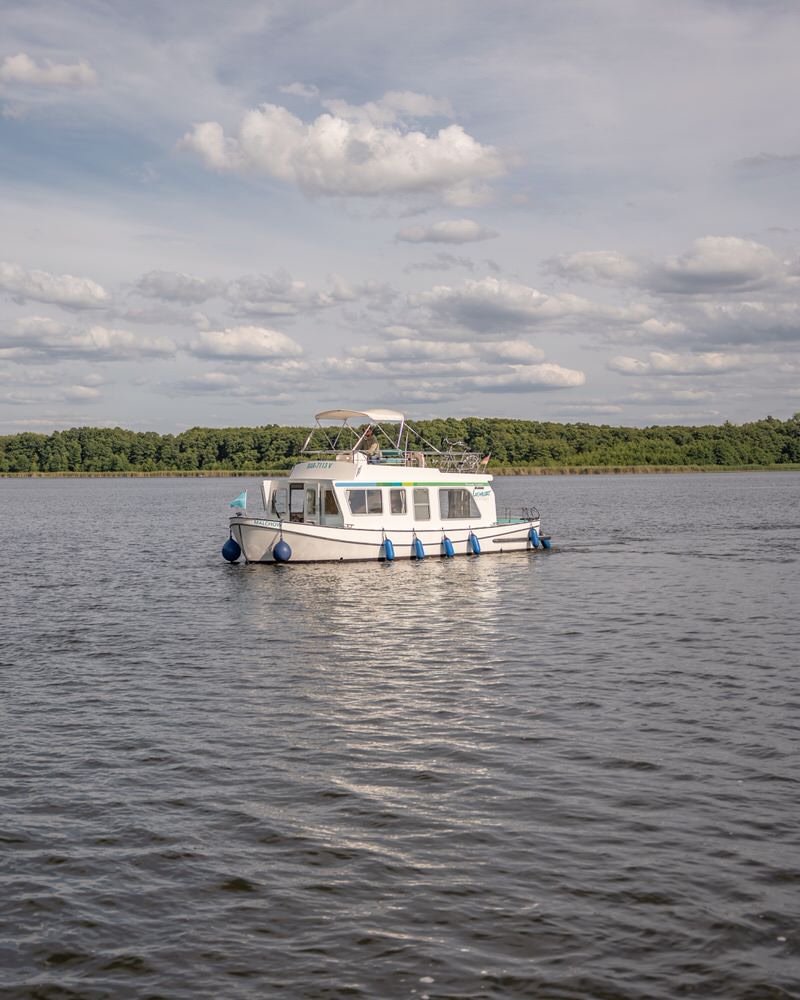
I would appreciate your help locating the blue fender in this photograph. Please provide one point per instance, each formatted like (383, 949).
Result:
(231, 550)
(282, 551)
(533, 534)
(474, 544)
(546, 542)
(419, 551)
(388, 549)
(447, 545)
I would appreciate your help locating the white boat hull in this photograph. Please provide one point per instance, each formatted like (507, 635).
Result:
(320, 543)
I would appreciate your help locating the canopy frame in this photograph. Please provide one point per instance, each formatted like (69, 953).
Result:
(407, 443)
(347, 436)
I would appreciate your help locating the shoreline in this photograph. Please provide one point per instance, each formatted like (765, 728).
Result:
(500, 471)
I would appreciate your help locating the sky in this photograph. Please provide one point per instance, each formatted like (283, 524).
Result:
(245, 213)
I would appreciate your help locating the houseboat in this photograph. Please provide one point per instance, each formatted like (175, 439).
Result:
(371, 488)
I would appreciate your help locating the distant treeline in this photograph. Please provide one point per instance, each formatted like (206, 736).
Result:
(509, 442)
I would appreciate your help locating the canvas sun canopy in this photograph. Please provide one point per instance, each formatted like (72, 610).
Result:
(374, 416)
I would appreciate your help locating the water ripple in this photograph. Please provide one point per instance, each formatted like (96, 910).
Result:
(566, 776)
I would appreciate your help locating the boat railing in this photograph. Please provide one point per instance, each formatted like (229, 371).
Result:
(455, 461)
(513, 514)
(397, 444)
(447, 461)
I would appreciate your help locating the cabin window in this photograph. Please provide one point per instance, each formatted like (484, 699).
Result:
(397, 501)
(365, 501)
(422, 504)
(311, 501)
(279, 502)
(330, 506)
(457, 504)
(296, 502)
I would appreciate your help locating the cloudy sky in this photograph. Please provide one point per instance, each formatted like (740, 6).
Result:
(242, 213)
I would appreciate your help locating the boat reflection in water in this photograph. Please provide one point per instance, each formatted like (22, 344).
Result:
(386, 609)
(345, 633)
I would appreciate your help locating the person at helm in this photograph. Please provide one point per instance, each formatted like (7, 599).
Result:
(369, 446)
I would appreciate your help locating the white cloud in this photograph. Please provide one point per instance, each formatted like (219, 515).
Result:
(401, 332)
(450, 231)
(594, 266)
(510, 352)
(691, 395)
(712, 264)
(492, 305)
(36, 326)
(22, 69)
(452, 355)
(663, 328)
(63, 290)
(242, 343)
(517, 379)
(80, 393)
(335, 155)
(417, 351)
(750, 321)
(655, 330)
(155, 314)
(365, 365)
(42, 339)
(178, 287)
(392, 106)
(717, 263)
(659, 363)
(723, 291)
(492, 302)
(202, 321)
(294, 370)
(106, 344)
(280, 294)
(448, 370)
(527, 378)
(305, 90)
(277, 294)
(407, 102)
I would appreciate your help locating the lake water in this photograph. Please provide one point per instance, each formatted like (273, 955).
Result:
(563, 775)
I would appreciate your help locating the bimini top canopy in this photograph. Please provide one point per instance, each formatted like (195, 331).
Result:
(406, 446)
(374, 416)
(347, 436)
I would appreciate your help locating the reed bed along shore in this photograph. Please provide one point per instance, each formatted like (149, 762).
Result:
(521, 470)
(623, 470)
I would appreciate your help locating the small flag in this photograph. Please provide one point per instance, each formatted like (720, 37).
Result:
(240, 501)
(485, 460)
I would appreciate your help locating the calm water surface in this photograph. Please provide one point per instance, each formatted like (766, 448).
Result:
(561, 775)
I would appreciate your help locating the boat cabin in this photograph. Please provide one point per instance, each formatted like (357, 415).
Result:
(379, 472)
(302, 501)
(311, 496)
